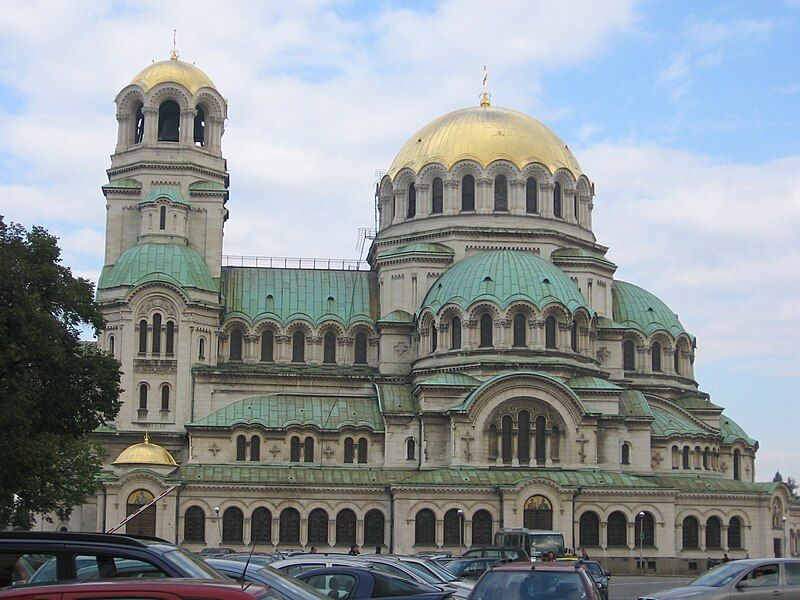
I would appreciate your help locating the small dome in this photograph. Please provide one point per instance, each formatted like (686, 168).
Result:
(637, 308)
(145, 453)
(173, 71)
(485, 134)
(504, 276)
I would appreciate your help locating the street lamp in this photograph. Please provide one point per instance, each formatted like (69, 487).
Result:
(785, 549)
(461, 530)
(641, 539)
(219, 524)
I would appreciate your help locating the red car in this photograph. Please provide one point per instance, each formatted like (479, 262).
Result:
(141, 589)
(535, 581)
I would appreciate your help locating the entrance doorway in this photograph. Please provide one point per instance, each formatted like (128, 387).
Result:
(145, 522)
(538, 513)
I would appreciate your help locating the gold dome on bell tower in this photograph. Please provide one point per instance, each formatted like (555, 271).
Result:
(173, 70)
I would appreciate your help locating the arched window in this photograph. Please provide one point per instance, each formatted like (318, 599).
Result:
(349, 452)
(550, 326)
(501, 193)
(589, 530)
(685, 454)
(169, 121)
(299, 346)
(165, 397)
(143, 396)
(362, 451)
(557, 200)
(294, 449)
(437, 200)
(486, 326)
(201, 349)
(455, 333)
(524, 437)
(434, 337)
(676, 363)
(482, 528)
(162, 217)
(573, 336)
(308, 450)
(737, 464)
(318, 527)
(541, 439)
(255, 449)
(111, 345)
(520, 331)
(346, 528)
(194, 525)
(138, 124)
(267, 346)
(199, 136)
(645, 530)
(232, 526)
(411, 449)
(531, 196)
(467, 193)
(241, 447)
(142, 336)
(412, 201)
(169, 346)
(538, 513)
(629, 355)
(374, 528)
(691, 534)
(425, 528)
(617, 529)
(735, 534)
(261, 526)
(626, 453)
(507, 442)
(453, 528)
(555, 441)
(676, 457)
(329, 347)
(156, 345)
(361, 348)
(236, 344)
(655, 357)
(289, 528)
(713, 533)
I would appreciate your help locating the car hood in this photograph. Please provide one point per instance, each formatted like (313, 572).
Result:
(695, 591)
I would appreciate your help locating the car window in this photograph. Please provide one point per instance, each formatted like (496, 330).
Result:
(339, 586)
(392, 586)
(792, 573)
(530, 585)
(390, 569)
(90, 567)
(191, 564)
(763, 576)
(19, 567)
(296, 569)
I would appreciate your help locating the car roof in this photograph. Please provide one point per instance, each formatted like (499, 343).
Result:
(176, 585)
(516, 566)
(81, 537)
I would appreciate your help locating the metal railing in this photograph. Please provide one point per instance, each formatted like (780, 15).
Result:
(285, 262)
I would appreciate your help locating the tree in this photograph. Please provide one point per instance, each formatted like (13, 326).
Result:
(54, 389)
(778, 478)
(791, 482)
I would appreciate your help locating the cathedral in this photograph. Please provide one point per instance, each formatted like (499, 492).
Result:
(483, 370)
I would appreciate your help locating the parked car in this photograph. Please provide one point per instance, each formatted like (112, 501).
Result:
(215, 551)
(257, 558)
(470, 568)
(141, 589)
(69, 556)
(753, 579)
(507, 554)
(600, 576)
(413, 571)
(430, 570)
(281, 584)
(355, 583)
(535, 581)
(307, 562)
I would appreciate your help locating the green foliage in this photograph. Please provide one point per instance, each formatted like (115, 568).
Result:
(54, 389)
(790, 481)
(777, 478)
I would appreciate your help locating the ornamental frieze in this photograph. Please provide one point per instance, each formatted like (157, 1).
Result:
(158, 367)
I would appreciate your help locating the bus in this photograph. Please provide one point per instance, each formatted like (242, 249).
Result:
(534, 541)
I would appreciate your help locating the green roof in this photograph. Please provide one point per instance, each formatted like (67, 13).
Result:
(279, 411)
(693, 482)
(397, 316)
(666, 424)
(396, 398)
(171, 194)
(306, 294)
(206, 186)
(693, 402)
(170, 263)
(419, 248)
(632, 403)
(731, 431)
(451, 379)
(580, 254)
(123, 184)
(504, 276)
(637, 308)
(587, 382)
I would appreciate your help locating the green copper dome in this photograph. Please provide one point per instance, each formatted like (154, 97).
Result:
(639, 309)
(502, 277)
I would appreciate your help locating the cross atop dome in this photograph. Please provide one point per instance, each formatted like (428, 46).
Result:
(485, 95)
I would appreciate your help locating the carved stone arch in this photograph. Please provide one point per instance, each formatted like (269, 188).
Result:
(582, 316)
(665, 339)
(637, 336)
(298, 506)
(584, 186)
(162, 287)
(503, 167)
(298, 324)
(210, 103)
(360, 326)
(362, 509)
(534, 406)
(425, 319)
(477, 309)
(386, 187)
(651, 508)
(741, 514)
(538, 171)
(466, 167)
(233, 322)
(565, 178)
(403, 178)
(161, 93)
(267, 324)
(126, 99)
(166, 306)
(140, 480)
(689, 512)
(423, 504)
(448, 311)
(521, 306)
(430, 171)
(559, 311)
(331, 325)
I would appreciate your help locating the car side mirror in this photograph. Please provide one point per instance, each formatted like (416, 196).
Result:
(744, 584)
(607, 573)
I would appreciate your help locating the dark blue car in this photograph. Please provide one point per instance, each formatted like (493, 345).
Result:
(281, 584)
(352, 583)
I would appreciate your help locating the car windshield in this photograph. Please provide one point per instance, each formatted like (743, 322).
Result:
(440, 571)
(194, 566)
(291, 584)
(721, 575)
(422, 572)
(593, 568)
(457, 566)
(529, 585)
(547, 543)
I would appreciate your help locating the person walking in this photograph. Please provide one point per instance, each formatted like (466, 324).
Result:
(354, 551)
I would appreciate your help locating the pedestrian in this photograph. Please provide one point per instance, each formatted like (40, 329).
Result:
(354, 551)
(584, 554)
(725, 558)
(747, 555)
(378, 549)
(313, 549)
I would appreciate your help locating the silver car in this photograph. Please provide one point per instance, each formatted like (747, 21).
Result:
(752, 579)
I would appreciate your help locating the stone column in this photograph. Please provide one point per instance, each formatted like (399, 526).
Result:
(251, 349)
(276, 531)
(399, 206)
(439, 533)
(702, 535)
(360, 532)
(187, 126)
(215, 126)
(583, 209)
(568, 205)
(563, 342)
(467, 532)
(483, 204)
(344, 354)
(515, 446)
(150, 125)
(546, 199)
(424, 199)
(503, 327)
(303, 531)
(604, 535)
(537, 333)
(246, 531)
(123, 129)
(516, 196)
(452, 200)
(331, 532)
(314, 350)
(469, 333)
(282, 348)
(724, 537)
(385, 210)
(632, 541)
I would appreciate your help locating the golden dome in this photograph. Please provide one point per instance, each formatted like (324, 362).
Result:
(484, 134)
(145, 453)
(173, 71)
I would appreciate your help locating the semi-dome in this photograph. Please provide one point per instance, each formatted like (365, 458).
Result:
(502, 277)
(173, 71)
(637, 308)
(145, 453)
(485, 134)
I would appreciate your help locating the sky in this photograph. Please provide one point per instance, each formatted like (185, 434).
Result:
(685, 115)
